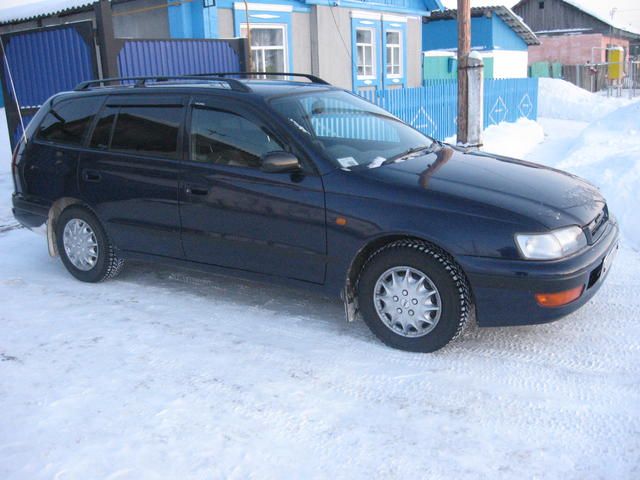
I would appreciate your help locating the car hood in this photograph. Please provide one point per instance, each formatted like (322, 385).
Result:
(550, 197)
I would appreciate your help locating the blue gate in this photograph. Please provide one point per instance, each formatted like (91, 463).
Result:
(38, 63)
(181, 57)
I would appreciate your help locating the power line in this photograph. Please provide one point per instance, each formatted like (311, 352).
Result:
(344, 43)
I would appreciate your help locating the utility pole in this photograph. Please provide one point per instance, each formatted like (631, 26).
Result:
(106, 39)
(464, 48)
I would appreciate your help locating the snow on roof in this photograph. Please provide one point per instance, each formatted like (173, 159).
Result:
(602, 11)
(28, 11)
(600, 14)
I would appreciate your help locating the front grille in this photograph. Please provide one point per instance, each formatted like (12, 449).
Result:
(596, 226)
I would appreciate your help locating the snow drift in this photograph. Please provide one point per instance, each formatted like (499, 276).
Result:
(560, 99)
(607, 153)
(512, 139)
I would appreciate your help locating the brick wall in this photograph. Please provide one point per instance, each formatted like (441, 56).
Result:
(572, 49)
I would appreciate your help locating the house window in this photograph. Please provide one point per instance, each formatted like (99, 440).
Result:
(394, 54)
(541, 5)
(365, 48)
(268, 47)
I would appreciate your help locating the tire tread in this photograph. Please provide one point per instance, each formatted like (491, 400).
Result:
(447, 262)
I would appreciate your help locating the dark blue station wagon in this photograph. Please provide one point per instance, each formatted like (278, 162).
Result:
(303, 183)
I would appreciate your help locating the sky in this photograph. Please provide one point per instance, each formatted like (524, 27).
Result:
(626, 15)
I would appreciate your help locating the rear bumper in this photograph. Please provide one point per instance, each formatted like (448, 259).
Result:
(504, 290)
(28, 212)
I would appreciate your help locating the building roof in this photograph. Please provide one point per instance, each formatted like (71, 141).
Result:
(600, 15)
(47, 8)
(599, 10)
(43, 8)
(512, 20)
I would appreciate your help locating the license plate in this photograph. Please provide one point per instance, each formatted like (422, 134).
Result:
(608, 260)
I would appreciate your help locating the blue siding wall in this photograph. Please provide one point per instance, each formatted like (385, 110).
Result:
(486, 33)
(193, 20)
(504, 38)
(398, 6)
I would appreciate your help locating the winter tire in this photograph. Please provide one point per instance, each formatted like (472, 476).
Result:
(84, 247)
(413, 296)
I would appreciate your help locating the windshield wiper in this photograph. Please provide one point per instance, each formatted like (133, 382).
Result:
(422, 148)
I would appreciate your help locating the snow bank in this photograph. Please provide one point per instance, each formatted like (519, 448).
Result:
(560, 99)
(512, 139)
(607, 153)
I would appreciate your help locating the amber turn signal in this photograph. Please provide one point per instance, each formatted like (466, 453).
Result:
(559, 299)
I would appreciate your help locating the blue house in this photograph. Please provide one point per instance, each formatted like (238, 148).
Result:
(501, 37)
(361, 44)
(354, 44)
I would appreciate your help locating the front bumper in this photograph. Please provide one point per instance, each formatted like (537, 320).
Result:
(504, 290)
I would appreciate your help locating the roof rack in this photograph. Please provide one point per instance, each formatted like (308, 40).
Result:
(311, 78)
(234, 84)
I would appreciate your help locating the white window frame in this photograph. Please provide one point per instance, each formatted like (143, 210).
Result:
(263, 49)
(372, 46)
(398, 48)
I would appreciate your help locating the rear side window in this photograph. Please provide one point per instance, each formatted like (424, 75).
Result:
(147, 130)
(68, 121)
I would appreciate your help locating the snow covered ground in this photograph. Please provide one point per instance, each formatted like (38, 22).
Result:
(172, 374)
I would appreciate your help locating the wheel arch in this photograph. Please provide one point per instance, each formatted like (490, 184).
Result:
(365, 252)
(55, 211)
(374, 244)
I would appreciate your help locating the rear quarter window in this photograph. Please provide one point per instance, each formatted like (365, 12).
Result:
(67, 121)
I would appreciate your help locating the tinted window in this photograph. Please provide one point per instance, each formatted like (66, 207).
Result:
(147, 130)
(68, 121)
(102, 131)
(227, 138)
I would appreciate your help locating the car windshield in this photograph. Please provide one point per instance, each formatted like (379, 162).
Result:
(348, 129)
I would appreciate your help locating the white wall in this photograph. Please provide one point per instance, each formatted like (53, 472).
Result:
(509, 63)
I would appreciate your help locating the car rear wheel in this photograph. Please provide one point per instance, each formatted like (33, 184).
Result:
(84, 247)
(413, 296)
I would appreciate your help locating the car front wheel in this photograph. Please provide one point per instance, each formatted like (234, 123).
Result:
(84, 247)
(413, 296)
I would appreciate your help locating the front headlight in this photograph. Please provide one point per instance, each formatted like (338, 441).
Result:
(551, 246)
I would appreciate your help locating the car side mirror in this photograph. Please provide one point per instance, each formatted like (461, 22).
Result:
(279, 162)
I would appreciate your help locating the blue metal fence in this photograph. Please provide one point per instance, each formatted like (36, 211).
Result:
(432, 108)
(48, 61)
(180, 57)
(43, 62)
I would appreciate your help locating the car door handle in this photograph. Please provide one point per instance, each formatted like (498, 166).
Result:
(196, 190)
(91, 176)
